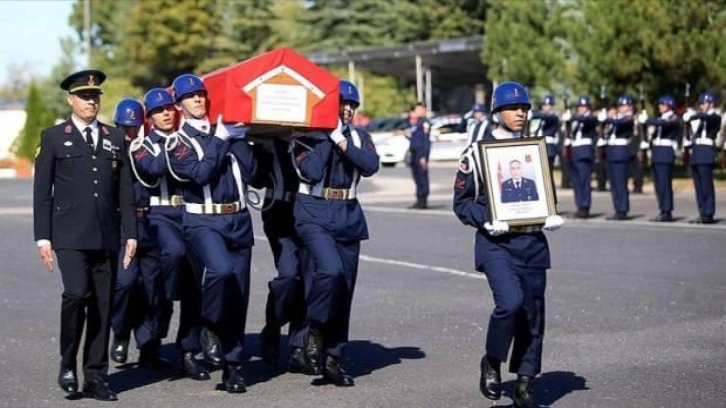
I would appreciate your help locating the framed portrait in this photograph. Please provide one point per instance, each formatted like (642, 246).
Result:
(518, 181)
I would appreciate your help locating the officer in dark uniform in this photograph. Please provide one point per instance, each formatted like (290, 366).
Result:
(705, 126)
(518, 188)
(515, 260)
(419, 149)
(663, 144)
(217, 164)
(619, 155)
(138, 293)
(331, 224)
(82, 194)
(581, 145)
(286, 298)
(165, 216)
(547, 124)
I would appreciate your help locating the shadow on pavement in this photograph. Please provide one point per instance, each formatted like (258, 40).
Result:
(550, 387)
(364, 357)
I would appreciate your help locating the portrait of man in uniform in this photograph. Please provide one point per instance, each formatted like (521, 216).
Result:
(518, 188)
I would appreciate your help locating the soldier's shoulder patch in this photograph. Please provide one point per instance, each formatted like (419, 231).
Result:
(136, 144)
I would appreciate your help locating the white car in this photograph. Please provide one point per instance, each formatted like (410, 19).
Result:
(447, 141)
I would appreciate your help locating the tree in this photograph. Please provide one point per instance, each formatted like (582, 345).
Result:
(37, 118)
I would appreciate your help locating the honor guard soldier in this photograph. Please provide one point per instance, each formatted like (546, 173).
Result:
(619, 155)
(331, 224)
(137, 299)
(705, 126)
(581, 145)
(216, 166)
(477, 123)
(547, 125)
(663, 144)
(419, 150)
(82, 194)
(166, 217)
(514, 259)
(286, 298)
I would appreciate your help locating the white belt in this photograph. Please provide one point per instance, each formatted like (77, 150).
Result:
(175, 200)
(213, 208)
(550, 140)
(585, 141)
(665, 142)
(328, 193)
(703, 141)
(618, 142)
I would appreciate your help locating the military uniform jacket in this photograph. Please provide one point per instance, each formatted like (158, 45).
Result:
(664, 142)
(420, 143)
(705, 126)
(549, 125)
(82, 196)
(322, 164)
(619, 139)
(471, 207)
(527, 191)
(583, 136)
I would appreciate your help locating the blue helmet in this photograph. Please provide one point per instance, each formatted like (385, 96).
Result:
(667, 100)
(186, 84)
(478, 107)
(625, 100)
(707, 97)
(157, 98)
(349, 92)
(548, 100)
(510, 93)
(129, 112)
(584, 100)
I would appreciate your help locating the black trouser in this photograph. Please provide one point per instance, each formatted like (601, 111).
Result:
(88, 281)
(638, 172)
(601, 175)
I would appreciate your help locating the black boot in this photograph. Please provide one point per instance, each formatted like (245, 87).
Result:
(120, 350)
(299, 364)
(232, 380)
(192, 368)
(416, 204)
(524, 392)
(212, 348)
(149, 357)
(490, 380)
(314, 350)
(334, 373)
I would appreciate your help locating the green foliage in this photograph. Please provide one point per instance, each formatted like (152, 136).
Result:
(37, 118)
(382, 95)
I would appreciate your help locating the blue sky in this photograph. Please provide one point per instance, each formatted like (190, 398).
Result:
(31, 30)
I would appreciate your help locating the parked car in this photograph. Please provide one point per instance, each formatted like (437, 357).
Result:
(448, 139)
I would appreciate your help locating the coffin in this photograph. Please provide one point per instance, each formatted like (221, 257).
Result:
(274, 92)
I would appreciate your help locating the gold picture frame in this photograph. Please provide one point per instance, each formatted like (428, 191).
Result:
(526, 197)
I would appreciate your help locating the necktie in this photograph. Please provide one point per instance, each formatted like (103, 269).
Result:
(89, 138)
(516, 185)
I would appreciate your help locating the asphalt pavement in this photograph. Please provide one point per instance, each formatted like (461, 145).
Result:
(636, 314)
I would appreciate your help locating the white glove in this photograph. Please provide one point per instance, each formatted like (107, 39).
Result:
(567, 116)
(337, 134)
(644, 145)
(496, 228)
(553, 223)
(529, 114)
(602, 142)
(688, 114)
(221, 132)
(602, 116)
(642, 117)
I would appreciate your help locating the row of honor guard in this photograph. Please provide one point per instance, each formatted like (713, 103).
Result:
(624, 141)
(190, 199)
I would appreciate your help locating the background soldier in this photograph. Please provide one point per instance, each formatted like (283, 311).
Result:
(331, 224)
(420, 148)
(548, 125)
(515, 261)
(81, 195)
(137, 298)
(705, 125)
(619, 155)
(663, 143)
(581, 144)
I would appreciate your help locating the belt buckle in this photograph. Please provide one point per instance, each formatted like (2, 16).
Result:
(229, 208)
(336, 193)
(176, 201)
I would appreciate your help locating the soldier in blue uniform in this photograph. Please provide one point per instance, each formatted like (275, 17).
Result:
(82, 194)
(475, 125)
(165, 216)
(547, 126)
(137, 299)
(331, 224)
(582, 152)
(705, 126)
(514, 259)
(663, 144)
(618, 154)
(217, 164)
(419, 150)
(286, 298)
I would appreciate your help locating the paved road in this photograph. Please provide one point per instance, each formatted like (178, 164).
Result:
(635, 316)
